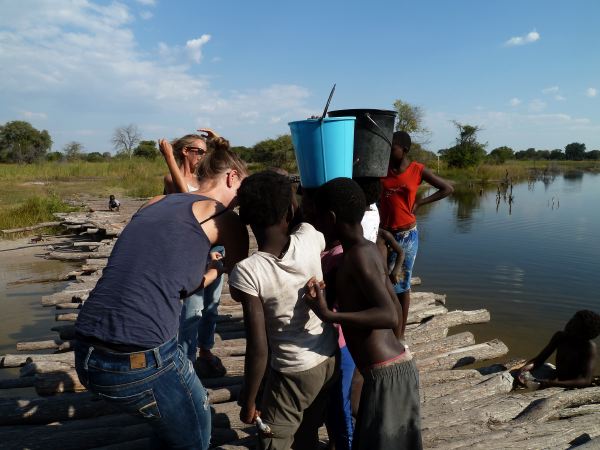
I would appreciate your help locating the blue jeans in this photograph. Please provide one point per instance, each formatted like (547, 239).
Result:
(409, 241)
(339, 414)
(198, 318)
(159, 385)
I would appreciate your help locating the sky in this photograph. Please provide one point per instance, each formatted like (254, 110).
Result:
(526, 72)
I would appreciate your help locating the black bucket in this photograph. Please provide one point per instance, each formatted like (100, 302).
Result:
(373, 132)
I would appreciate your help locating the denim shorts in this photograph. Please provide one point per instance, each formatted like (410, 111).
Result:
(159, 385)
(409, 241)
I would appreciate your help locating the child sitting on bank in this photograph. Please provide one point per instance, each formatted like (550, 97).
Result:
(388, 415)
(270, 285)
(113, 203)
(575, 355)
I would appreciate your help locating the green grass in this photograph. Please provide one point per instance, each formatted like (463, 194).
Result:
(31, 193)
(33, 210)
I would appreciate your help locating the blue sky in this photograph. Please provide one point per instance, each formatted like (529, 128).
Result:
(527, 72)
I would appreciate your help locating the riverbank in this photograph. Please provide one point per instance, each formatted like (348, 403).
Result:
(31, 193)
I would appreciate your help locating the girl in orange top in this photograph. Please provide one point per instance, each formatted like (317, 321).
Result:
(397, 209)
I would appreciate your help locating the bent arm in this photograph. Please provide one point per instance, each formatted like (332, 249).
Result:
(381, 314)
(584, 380)
(233, 235)
(546, 352)
(257, 349)
(444, 189)
(178, 183)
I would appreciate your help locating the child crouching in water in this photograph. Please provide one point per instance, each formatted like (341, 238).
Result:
(369, 313)
(270, 284)
(575, 355)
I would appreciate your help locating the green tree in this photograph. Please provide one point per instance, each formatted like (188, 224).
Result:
(542, 154)
(54, 156)
(94, 157)
(418, 153)
(106, 155)
(125, 139)
(501, 154)
(468, 151)
(245, 153)
(410, 119)
(575, 151)
(146, 149)
(73, 150)
(557, 154)
(278, 152)
(593, 155)
(22, 143)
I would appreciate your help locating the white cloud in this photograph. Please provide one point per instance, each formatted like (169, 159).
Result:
(194, 47)
(34, 115)
(559, 97)
(514, 101)
(85, 61)
(529, 38)
(147, 2)
(591, 92)
(146, 15)
(537, 105)
(550, 90)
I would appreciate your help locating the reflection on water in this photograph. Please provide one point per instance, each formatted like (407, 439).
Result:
(528, 252)
(23, 318)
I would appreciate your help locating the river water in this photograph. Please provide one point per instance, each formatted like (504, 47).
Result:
(532, 262)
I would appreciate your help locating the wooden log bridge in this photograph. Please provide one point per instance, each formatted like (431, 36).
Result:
(461, 407)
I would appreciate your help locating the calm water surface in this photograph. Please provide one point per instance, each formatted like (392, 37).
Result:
(532, 263)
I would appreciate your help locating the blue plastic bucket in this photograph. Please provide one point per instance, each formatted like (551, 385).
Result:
(324, 149)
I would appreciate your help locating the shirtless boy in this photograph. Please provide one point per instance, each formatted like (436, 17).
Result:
(369, 313)
(575, 354)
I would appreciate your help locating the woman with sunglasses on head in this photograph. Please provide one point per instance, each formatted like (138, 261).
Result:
(188, 151)
(126, 348)
(199, 313)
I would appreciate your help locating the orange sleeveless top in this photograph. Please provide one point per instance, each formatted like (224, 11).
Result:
(399, 192)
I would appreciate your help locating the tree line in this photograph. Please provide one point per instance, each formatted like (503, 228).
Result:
(20, 142)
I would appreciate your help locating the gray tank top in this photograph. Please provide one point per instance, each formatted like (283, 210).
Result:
(159, 259)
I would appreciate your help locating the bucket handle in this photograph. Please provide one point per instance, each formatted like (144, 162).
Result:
(368, 116)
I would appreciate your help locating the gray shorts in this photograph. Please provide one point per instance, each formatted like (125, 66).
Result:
(389, 413)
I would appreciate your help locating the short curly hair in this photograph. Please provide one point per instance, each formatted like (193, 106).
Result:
(344, 197)
(371, 187)
(264, 198)
(585, 324)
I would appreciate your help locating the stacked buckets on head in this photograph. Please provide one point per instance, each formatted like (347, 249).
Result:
(353, 142)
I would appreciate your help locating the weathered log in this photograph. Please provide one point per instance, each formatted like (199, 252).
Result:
(450, 387)
(548, 407)
(554, 434)
(22, 359)
(68, 317)
(501, 382)
(32, 368)
(420, 335)
(68, 296)
(71, 406)
(229, 351)
(463, 356)
(424, 313)
(57, 382)
(31, 228)
(17, 383)
(222, 382)
(67, 438)
(434, 328)
(76, 256)
(434, 377)
(448, 343)
(61, 306)
(41, 345)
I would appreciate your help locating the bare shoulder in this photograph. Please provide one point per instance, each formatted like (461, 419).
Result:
(152, 201)
(363, 257)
